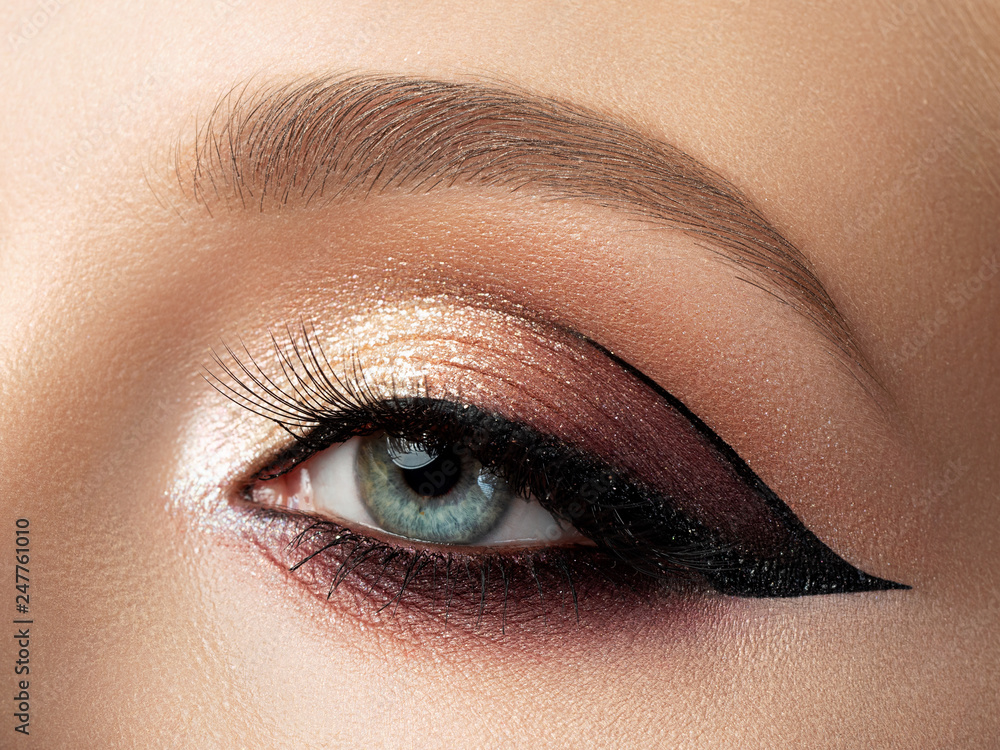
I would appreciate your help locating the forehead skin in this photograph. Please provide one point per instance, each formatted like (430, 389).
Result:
(866, 132)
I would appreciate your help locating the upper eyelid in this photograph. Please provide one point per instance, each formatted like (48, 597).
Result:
(349, 137)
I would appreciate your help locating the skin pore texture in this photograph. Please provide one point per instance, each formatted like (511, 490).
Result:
(866, 134)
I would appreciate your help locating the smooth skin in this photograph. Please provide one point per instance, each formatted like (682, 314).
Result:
(867, 133)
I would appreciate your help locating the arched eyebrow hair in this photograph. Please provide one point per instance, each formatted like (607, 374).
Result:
(330, 138)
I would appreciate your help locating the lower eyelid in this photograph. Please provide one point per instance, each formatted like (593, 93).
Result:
(559, 590)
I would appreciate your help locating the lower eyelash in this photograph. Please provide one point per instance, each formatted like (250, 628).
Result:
(477, 590)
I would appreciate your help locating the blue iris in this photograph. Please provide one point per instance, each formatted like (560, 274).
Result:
(444, 496)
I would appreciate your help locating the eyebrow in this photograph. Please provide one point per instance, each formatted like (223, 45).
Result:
(329, 138)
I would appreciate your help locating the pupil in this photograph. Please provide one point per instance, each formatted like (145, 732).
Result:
(436, 478)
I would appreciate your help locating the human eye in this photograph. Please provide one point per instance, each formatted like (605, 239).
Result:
(412, 486)
(434, 491)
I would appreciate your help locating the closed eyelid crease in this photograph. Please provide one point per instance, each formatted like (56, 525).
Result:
(326, 139)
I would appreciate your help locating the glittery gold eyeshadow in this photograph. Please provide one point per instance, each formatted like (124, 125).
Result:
(668, 506)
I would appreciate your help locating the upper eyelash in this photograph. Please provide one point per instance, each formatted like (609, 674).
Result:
(318, 392)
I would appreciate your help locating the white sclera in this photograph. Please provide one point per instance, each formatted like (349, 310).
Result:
(335, 493)
(334, 479)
